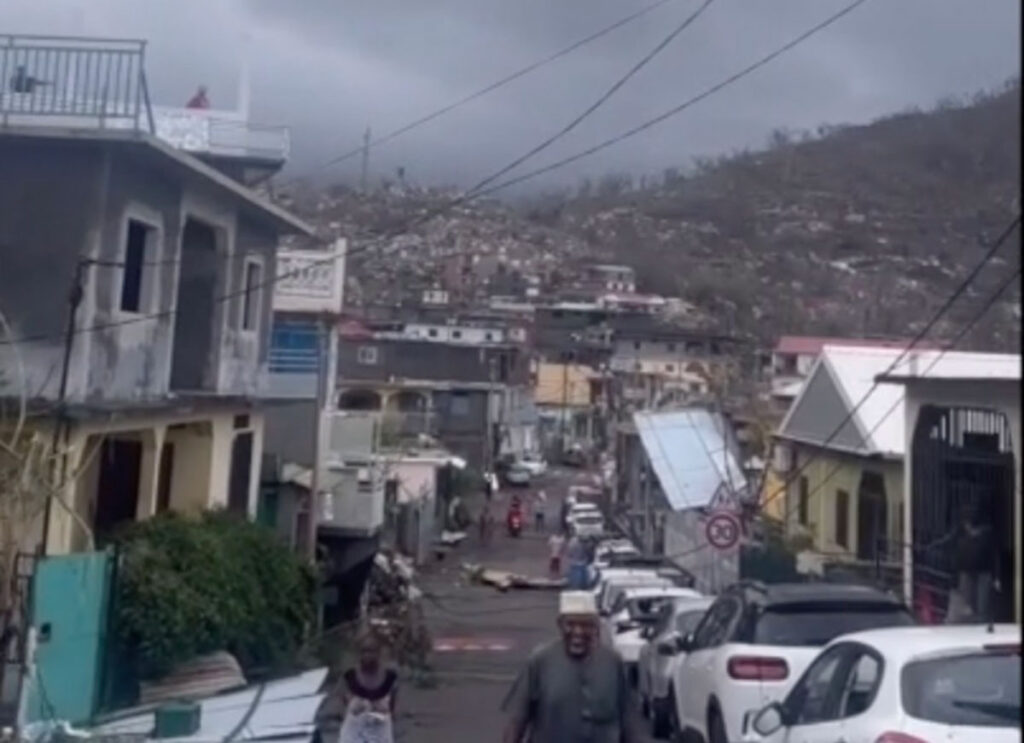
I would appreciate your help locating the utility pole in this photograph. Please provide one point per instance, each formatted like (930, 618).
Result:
(489, 435)
(565, 401)
(364, 175)
(327, 352)
(59, 422)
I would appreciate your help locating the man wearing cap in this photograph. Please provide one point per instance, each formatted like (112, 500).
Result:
(574, 689)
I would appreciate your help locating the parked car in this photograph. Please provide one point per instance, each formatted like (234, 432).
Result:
(518, 475)
(589, 525)
(635, 609)
(661, 654)
(534, 463)
(754, 642)
(607, 550)
(611, 586)
(574, 456)
(581, 507)
(908, 685)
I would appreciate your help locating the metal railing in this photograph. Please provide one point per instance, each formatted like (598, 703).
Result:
(75, 78)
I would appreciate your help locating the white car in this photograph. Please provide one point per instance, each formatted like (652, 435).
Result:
(756, 640)
(955, 684)
(634, 609)
(614, 580)
(604, 551)
(516, 474)
(533, 462)
(661, 654)
(578, 509)
(588, 525)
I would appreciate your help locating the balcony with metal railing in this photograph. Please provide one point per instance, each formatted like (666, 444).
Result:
(87, 83)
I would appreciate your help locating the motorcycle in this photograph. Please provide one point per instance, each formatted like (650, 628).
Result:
(515, 523)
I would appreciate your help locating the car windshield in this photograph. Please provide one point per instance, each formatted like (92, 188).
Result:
(646, 609)
(589, 519)
(816, 624)
(978, 690)
(687, 621)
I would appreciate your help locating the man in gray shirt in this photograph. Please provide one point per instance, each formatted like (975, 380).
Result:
(574, 689)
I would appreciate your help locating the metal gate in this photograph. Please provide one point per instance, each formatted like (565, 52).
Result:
(962, 463)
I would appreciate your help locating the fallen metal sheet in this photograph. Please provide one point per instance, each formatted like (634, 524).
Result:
(195, 679)
(286, 709)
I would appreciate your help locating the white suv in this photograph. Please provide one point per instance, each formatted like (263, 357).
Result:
(756, 640)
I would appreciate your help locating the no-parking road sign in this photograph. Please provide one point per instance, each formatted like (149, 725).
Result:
(722, 530)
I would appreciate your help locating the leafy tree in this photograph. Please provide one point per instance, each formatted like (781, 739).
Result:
(190, 586)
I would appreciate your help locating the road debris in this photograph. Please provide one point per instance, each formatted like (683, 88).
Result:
(503, 580)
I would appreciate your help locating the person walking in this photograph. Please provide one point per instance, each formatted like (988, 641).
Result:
(363, 699)
(574, 688)
(576, 556)
(538, 512)
(556, 548)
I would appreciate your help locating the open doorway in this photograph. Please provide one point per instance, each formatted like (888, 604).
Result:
(117, 486)
(193, 352)
(963, 465)
(872, 517)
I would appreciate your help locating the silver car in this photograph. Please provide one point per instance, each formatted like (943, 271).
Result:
(659, 657)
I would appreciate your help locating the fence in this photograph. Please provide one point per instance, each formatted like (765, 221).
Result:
(74, 78)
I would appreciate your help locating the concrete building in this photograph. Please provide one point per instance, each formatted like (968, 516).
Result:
(961, 424)
(469, 398)
(165, 252)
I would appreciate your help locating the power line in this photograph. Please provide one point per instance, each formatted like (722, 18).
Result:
(967, 281)
(616, 86)
(485, 90)
(975, 319)
(491, 189)
(650, 123)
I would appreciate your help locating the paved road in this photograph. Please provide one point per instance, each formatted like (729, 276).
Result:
(481, 636)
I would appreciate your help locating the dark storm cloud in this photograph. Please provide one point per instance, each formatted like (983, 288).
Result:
(329, 69)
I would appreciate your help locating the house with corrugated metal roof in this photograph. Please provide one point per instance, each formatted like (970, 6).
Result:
(837, 467)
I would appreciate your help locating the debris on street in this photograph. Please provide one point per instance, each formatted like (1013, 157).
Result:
(503, 580)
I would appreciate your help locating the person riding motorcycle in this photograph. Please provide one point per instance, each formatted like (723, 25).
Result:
(514, 520)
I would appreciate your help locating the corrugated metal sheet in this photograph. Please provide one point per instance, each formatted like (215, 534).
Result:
(286, 710)
(198, 678)
(688, 451)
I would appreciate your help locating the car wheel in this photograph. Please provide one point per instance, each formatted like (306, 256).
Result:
(716, 728)
(661, 725)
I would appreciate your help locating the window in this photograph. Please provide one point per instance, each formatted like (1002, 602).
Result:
(863, 677)
(251, 295)
(978, 690)
(808, 703)
(456, 334)
(670, 368)
(811, 624)
(134, 272)
(842, 518)
(367, 355)
(670, 347)
(459, 404)
(804, 504)
(489, 336)
(432, 332)
(637, 345)
(716, 624)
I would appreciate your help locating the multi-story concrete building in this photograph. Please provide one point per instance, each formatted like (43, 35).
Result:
(153, 373)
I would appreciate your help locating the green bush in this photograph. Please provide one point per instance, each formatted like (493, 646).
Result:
(190, 586)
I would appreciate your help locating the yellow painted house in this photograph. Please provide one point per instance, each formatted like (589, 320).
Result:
(837, 470)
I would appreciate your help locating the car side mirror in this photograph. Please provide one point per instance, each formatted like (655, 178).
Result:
(769, 720)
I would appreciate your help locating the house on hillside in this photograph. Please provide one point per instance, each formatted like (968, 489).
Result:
(962, 434)
(155, 372)
(467, 397)
(570, 399)
(672, 469)
(843, 490)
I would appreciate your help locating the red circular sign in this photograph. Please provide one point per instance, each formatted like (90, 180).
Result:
(722, 531)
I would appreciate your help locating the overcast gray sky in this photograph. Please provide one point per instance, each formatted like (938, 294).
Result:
(329, 69)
